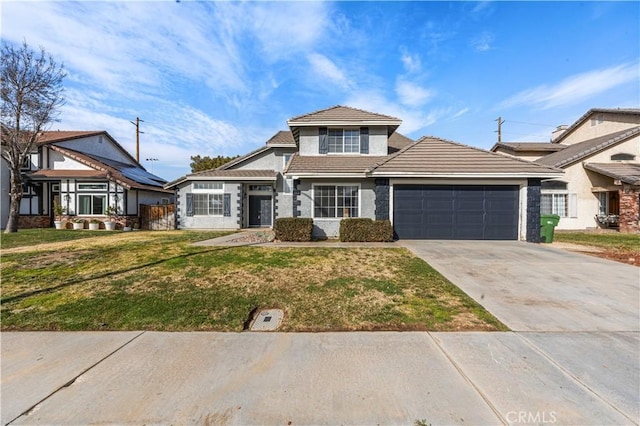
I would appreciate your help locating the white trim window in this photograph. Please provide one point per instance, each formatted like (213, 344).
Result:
(208, 204)
(562, 204)
(92, 204)
(207, 185)
(344, 141)
(333, 201)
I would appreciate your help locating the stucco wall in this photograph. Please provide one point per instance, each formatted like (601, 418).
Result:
(57, 161)
(209, 222)
(309, 141)
(612, 123)
(330, 227)
(581, 181)
(97, 145)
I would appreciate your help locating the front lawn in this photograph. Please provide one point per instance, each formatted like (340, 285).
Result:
(613, 245)
(158, 281)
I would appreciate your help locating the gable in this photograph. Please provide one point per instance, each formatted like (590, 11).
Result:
(598, 122)
(587, 149)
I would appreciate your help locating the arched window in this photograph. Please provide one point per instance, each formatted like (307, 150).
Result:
(622, 156)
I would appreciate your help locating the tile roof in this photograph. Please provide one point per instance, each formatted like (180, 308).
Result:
(332, 164)
(236, 173)
(529, 146)
(397, 141)
(283, 137)
(578, 151)
(626, 172)
(341, 113)
(50, 136)
(61, 174)
(431, 156)
(585, 117)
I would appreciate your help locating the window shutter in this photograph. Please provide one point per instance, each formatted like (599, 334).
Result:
(226, 205)
(189, 204)
(573, 205)
(364, 140)
(323, 141)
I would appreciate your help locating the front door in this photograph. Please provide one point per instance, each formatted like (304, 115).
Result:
(259, 210)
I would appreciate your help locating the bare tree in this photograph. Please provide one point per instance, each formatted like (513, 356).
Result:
(31, 95)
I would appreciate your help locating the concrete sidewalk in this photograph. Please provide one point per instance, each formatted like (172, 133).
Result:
(324, 378)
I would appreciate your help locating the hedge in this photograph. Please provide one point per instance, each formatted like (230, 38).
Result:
(365, 230)
(294, 229)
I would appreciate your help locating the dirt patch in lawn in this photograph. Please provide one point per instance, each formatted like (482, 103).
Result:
(627, 256)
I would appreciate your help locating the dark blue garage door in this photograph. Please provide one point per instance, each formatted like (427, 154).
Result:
(447, 212)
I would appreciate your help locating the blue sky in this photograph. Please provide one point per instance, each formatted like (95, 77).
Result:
(220, 78)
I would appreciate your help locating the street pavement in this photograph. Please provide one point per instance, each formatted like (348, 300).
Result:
(554, 369)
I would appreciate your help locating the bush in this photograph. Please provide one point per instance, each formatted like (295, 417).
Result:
(294, 229)
(365, 230)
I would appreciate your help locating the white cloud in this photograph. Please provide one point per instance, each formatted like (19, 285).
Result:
(575, 88)
(460, 113)
(482, 42)
(413, 119)
(412, 94)
(326, 69)
(412, 63)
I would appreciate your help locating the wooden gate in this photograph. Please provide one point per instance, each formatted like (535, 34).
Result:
(157, 217)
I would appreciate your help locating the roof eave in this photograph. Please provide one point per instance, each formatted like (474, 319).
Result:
(329, 123)
(307, 175)
(549, 174)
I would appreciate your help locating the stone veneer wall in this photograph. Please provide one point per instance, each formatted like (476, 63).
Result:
(629, 209)
(26, 222)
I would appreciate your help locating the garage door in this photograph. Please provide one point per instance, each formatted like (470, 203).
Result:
(455, 212)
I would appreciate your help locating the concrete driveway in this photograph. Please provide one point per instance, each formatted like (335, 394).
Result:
(532, 287)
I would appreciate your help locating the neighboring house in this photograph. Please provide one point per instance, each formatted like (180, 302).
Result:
(600, 155)
(85, 172)
(344, 162)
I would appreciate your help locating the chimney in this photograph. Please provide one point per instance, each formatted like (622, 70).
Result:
(558, 132)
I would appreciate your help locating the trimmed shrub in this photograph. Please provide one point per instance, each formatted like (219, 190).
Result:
(294, 228)
(365, 230)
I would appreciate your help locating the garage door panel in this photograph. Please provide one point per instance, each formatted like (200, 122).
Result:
(456, 212)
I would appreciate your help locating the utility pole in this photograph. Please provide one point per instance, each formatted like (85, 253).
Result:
(500, 123)
(137, 124)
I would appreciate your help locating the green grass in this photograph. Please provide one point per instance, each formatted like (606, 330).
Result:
(159, 281)
(29, 237)
(613, 240)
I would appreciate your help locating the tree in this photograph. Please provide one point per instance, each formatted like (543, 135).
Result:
(200, 164)
(31, 88)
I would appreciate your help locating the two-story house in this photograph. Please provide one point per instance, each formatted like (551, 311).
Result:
(85, 172)
(600, 155)
(343, 162)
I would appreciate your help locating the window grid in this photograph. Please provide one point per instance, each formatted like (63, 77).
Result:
(555, 204)
(336, 201)
(208, 204)
(207, 185)
(343, 141)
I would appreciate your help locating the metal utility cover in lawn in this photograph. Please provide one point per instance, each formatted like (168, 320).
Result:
(267, 320)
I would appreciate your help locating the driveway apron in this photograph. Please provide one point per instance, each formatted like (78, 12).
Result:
(532, 287)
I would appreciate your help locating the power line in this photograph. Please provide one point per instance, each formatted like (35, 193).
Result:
(532, 124)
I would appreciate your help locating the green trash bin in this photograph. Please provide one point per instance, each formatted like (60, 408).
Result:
(548, 223)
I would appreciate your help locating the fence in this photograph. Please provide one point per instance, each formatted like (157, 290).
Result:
(157, 217)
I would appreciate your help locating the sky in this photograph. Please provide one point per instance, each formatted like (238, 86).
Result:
(221, 78)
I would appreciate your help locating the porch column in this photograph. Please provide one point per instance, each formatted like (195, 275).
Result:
(533, 210)
(382, 199)
(629, 209)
